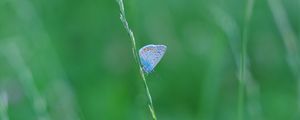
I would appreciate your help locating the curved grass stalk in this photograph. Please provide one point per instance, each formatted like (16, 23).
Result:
(135, 53)
(15, 59)
(289, 38)
(33, 33)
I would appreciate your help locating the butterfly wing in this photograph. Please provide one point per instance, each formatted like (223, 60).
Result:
(150, 55)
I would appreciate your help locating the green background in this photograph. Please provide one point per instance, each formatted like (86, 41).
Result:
(72, 59)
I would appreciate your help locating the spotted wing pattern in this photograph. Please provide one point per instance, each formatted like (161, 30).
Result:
(150, 55)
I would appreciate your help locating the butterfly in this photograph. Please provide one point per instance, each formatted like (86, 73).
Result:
(150, 55)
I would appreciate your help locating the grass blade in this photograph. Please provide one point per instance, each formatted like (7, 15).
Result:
(134, 50)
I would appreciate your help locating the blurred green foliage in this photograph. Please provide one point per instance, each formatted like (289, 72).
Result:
(72, 59)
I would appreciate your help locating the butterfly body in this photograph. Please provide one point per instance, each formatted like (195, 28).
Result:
(150, 55)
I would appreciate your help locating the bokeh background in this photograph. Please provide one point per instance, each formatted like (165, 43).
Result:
(72, 59)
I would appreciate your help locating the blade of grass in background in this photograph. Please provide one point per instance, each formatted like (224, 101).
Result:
(134, 50)
(3, 106)
(15, 59)
(231, 29)
(33, 39)
(243, 64)
(290, 40)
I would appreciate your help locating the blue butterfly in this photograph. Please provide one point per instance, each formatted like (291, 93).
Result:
(150, 55)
